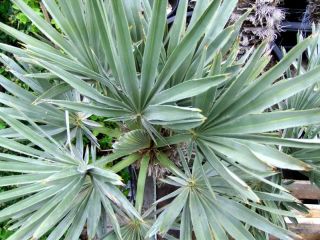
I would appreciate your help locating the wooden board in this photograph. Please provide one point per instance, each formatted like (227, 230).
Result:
(305, 231)
(314, 213)
(309, 224)
(304, 190)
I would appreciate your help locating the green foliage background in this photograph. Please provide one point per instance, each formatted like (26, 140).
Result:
(9, 14)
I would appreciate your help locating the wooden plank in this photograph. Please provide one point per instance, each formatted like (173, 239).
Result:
(314, 211)
(304, 190)
(305, 231)
(309, 224)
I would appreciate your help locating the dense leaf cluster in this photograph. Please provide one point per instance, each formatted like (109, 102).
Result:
(190, 113)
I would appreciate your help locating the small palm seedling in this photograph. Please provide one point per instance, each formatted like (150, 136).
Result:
(188, 106)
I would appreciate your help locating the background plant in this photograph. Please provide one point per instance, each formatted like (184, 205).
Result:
(12, 16)
(189, 111)
(307, 99)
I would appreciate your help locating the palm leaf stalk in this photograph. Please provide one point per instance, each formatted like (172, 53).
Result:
(186, 103)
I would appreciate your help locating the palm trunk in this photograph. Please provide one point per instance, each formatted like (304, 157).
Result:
(313, 11)
(263, 23)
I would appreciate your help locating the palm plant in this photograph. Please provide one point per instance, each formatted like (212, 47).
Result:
(187, 106)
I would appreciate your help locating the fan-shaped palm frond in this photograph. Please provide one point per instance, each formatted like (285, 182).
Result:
(207, 204)
(21, 104)
(57, 189)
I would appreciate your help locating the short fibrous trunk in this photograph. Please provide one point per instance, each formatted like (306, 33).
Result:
(263, 23)
(313, 11)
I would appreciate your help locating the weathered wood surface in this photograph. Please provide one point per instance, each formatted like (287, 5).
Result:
(314, 213)
(304, 190)
(309, 224)
(306, 231)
